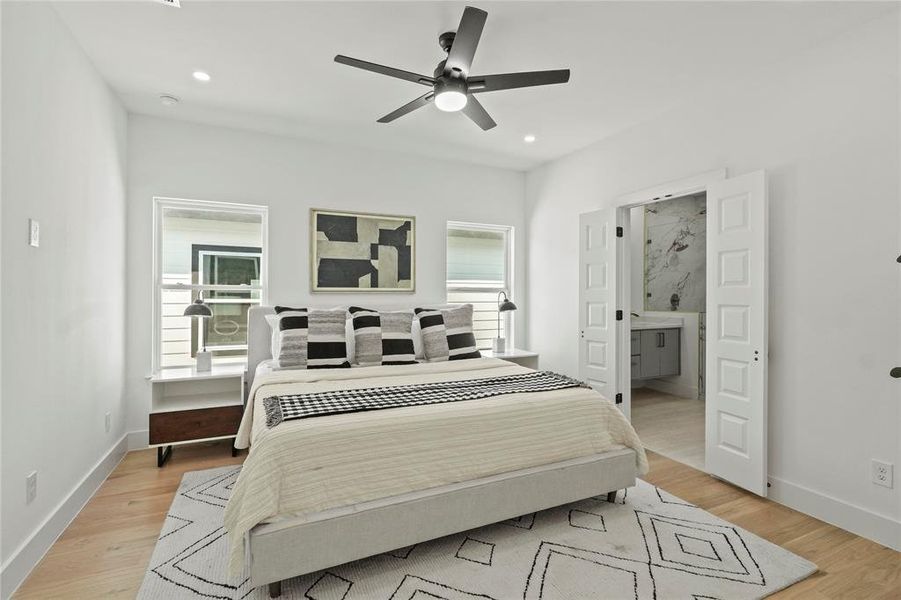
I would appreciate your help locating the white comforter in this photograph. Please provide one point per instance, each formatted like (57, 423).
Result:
(309, 465)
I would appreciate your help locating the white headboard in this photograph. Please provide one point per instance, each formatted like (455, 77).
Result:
(259, 339)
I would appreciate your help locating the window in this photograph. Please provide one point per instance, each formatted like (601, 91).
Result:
(479, 266)
(214, 251)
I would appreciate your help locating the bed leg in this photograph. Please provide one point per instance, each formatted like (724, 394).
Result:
(275, 589)
(611, 497)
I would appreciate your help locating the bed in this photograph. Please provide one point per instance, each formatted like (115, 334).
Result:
(318, 492)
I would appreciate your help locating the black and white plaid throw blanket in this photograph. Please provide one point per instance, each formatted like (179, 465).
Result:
(319, 404)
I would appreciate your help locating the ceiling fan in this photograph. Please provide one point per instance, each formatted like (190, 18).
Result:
(453, 88)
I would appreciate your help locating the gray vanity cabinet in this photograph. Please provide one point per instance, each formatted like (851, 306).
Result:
(655, 353)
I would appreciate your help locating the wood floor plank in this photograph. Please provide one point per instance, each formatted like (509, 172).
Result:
(105, 551)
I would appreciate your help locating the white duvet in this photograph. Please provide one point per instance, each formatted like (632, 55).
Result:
(310, 465)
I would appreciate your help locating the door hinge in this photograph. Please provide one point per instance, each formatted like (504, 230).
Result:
(619, 399)
(619, 232)
(619, 315)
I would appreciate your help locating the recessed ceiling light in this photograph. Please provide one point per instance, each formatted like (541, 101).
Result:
(167, 100)
(529, 138)
(201, 76)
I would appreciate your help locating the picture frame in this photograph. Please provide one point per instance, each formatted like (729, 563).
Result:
(362, 252)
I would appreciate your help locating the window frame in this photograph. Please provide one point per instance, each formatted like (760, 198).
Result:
(509, 232)
(217, 251)
(160, 204)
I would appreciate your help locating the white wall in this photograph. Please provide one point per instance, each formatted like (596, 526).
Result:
(182, 160)
(63, 304)
(825, 126)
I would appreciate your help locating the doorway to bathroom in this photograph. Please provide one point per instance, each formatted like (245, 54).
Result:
(668, 280)
(728, 383)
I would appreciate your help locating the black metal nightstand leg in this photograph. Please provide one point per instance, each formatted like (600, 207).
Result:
(162, 455)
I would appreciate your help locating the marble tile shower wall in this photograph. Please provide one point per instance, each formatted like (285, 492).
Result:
(675, 254)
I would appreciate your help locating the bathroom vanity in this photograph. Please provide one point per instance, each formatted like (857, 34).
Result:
(656, 347)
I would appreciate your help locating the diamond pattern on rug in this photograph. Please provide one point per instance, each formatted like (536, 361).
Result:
(418, 588)
(214, 491)
(731, 558)
(402, 552)
(561, 571)
(476, 551)
(522, 521)
(650, 545)
(329, 587)
(584, 519)
(173, 524)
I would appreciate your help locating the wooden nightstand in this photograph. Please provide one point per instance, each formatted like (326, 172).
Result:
(189, 406)
(524, 358)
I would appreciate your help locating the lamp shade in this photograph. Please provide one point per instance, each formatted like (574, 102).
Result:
(198, 309)
(506, 305)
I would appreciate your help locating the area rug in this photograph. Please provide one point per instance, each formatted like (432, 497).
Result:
(646, 545)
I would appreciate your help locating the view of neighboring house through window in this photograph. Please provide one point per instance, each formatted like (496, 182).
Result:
(213, 251)
(479, 266)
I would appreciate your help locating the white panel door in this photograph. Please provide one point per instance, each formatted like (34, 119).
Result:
(597, 300)
(737, 331)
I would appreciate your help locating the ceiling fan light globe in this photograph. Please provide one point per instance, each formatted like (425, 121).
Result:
(450, 100)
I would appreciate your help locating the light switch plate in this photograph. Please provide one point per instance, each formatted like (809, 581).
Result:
(34, 233)
(31, 487)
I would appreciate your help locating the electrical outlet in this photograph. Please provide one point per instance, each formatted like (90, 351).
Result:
(34, 233)
(31, 487)
(883, 473)
(108, 422)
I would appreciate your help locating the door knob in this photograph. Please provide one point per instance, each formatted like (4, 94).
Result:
(896, 372)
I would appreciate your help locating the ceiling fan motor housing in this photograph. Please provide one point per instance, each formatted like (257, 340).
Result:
(450, 84)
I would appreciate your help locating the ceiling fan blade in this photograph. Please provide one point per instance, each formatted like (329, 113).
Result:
(463, 48)
(408, 108)
(478, 84)
(475, 111)
(383, 70)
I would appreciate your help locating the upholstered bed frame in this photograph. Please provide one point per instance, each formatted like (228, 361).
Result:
(295, 546)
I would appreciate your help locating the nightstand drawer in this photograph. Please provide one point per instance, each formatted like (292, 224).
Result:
(184, 425)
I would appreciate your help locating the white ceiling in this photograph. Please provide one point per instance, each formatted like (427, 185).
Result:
(272, 68)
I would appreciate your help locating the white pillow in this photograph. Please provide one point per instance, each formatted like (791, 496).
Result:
(417, 340)
(349, 339)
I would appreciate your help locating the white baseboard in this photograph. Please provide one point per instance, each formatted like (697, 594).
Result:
(879, 528)
(32, 550)
(138, 440)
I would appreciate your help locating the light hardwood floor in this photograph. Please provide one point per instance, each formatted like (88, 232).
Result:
(670, 425)
(105, 551)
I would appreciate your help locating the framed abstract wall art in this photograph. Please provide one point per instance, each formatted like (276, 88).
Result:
(361, 252)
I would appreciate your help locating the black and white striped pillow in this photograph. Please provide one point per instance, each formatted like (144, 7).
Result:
(326, 341)
(447, 333)
(290, 334)
(384, 338)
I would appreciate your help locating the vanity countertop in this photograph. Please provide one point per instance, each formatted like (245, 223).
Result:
(639, 323)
